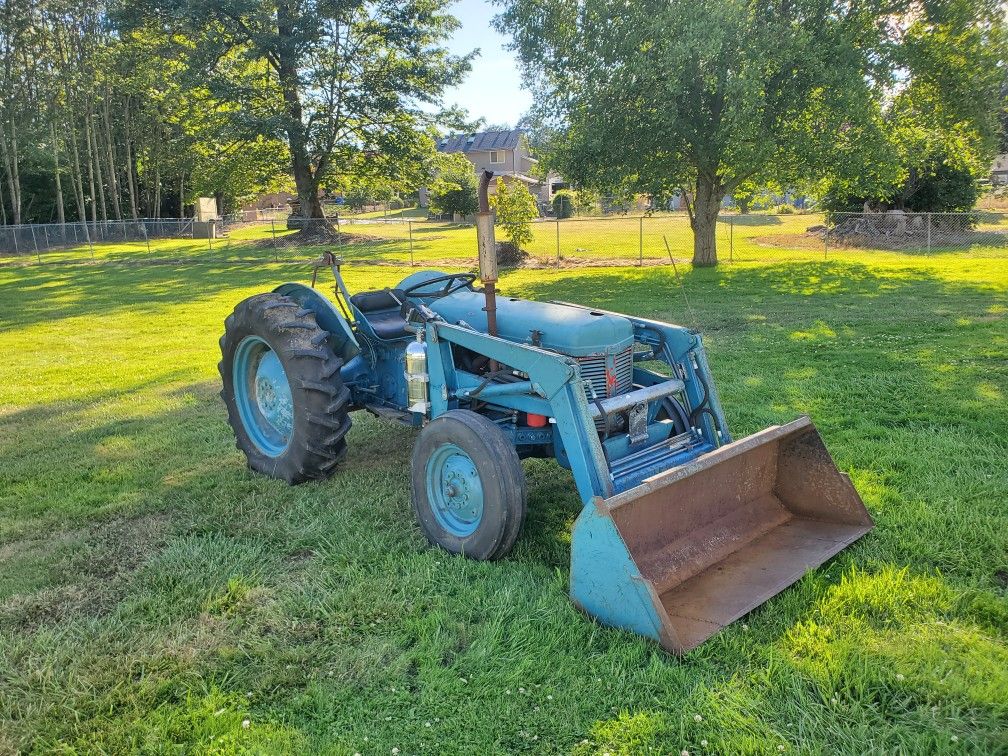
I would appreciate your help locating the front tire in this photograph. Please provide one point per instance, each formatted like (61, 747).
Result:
(468, 486)
(282, 388)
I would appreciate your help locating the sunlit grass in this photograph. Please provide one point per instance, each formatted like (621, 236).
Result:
(611, 240)
(155, 594)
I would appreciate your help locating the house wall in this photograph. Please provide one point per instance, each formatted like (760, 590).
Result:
(481, 159)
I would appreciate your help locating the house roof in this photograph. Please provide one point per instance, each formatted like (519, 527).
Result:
(482, 140)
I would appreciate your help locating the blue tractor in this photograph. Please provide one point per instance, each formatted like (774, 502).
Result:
(682, 531)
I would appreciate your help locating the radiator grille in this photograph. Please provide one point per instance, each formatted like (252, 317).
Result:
(624, 370)
(593, 369)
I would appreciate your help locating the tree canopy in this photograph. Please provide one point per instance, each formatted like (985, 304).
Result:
(706, 95)
(348, 85)
(515, 210)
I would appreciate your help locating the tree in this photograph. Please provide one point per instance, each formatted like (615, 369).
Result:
(340, 80)
(943, 116)
(708, 94)
(453, 190)
(516, 208)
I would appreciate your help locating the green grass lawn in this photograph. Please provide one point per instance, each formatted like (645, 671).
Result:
(156, 596)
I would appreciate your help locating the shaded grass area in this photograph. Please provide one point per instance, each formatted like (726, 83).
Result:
(154, 593)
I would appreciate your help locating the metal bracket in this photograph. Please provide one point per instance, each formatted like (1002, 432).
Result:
(638, 424)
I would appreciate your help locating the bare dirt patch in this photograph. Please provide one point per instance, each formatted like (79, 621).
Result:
(88, 569)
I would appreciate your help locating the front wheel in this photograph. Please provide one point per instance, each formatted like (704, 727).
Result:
(468, 486)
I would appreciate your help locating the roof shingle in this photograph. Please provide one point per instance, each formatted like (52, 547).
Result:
(483, 140)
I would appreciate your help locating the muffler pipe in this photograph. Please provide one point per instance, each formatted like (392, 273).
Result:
(487, 252)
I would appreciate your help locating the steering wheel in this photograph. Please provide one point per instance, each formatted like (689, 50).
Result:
(463, 279)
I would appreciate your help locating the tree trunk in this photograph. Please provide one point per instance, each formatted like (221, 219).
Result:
(91, 180)
(79, 183)
(157, 191)
(305, 179)
(10, 167)
(113, 181)
(130, 182)
(94, 154)
(703, 219)
(60, 211)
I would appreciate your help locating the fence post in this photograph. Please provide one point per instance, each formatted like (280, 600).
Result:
(14, 234)
(558, 241)
(276, 256)
(45, 230)
(929, 233)
(146, 236)
(411, 243)
(35, 242)
(640, 243)
(825, 239)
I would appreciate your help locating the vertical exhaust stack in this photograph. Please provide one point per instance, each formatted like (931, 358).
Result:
(487, 252)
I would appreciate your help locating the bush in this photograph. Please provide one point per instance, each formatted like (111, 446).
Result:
(587, 202)
(358, 197)
(934, 186)
(454, 190)
(509, 255)
(784, 209)
(563, 207)
(516, 208)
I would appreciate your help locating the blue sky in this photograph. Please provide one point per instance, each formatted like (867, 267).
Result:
(493, 87)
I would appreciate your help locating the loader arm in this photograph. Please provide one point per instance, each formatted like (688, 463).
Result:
(554, 389)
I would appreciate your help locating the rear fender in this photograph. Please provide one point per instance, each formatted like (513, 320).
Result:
(342, 340)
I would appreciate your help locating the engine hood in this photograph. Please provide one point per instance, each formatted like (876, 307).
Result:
(569, 330)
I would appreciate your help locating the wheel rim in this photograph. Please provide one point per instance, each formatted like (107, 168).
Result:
(454, 490)
(263, 396)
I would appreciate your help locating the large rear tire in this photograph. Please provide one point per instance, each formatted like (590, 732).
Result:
(282, 388)
(468, 486)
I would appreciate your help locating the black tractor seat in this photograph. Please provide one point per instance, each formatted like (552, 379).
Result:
(383, 312)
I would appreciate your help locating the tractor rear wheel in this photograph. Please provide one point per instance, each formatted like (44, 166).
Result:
(468, 486)
(282, 388)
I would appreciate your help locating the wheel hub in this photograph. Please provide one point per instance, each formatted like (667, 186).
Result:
(263, 396)
(455, 490)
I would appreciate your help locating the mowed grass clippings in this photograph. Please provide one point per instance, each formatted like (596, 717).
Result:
(156, 596)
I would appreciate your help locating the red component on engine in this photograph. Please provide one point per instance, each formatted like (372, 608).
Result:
(537, 421)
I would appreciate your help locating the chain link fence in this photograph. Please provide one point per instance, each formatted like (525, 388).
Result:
(978, 232)
(620, 240)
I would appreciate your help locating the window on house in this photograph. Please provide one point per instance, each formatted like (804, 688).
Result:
(496, 156)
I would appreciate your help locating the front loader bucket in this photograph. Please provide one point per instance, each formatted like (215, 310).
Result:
(692, 549)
